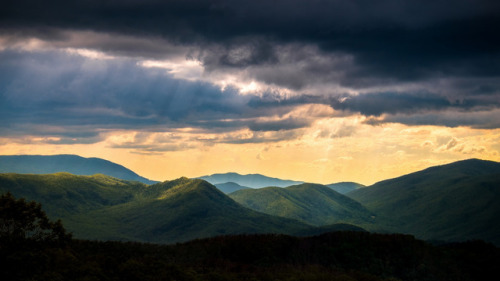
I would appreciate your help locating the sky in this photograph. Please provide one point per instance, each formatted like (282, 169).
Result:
(319, 91)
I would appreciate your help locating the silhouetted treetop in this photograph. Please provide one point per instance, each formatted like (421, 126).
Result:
(21, 221)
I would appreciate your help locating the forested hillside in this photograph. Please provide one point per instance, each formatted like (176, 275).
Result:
(457, 202)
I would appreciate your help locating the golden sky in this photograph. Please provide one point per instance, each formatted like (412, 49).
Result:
(367, 155)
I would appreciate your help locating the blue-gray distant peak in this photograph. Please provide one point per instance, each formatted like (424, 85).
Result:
(250, 180)
(230, 187)
(74, 164)
(345, 187)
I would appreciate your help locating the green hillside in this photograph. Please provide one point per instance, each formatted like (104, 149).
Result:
(458, 201)
(186, 209)
(64, 194)
(105, 208)
(311, 203)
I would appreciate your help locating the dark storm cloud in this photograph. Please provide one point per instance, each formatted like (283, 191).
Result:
(273, 99)
(375, 104)
(451, 118)
(155, 147)
(378, 103)
(423, 108)
(260, 137)
(359, 45)
(402, 40)
(241, 53)
(277, 125)
(51, 94)
(53, 90)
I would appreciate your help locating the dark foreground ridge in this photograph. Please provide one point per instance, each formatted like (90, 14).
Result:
(332, 256)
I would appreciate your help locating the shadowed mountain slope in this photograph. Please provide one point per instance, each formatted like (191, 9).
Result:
(311, 203)
(458, 201)
(74, 164)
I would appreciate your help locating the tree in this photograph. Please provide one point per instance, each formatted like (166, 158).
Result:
(30, 244)
(22, 221)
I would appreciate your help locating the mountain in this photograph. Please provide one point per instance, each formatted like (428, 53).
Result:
(70, 197)
(229, 187)
(251, 180)
(345, 187)
(105, 208)
(458, 201)
(314, 204)
(49, 164)
(186, 209)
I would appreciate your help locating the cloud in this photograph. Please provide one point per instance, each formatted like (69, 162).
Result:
(387, 40)
(249, 137)
(93, 67)
(375, 104)
(486, 119)
(114, 44)
(452, 143)
(277, 125)
(151, 143)
(76, 99)
(423, 108)
(67, 90)
(463, 147)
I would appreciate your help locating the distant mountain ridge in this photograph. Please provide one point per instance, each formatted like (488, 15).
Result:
(250, 180)
(345, 187)
(74, 164)
(229, 187)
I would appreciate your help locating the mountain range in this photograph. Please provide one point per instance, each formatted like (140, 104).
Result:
(105, 208)
(453, 202)
(77, 165)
